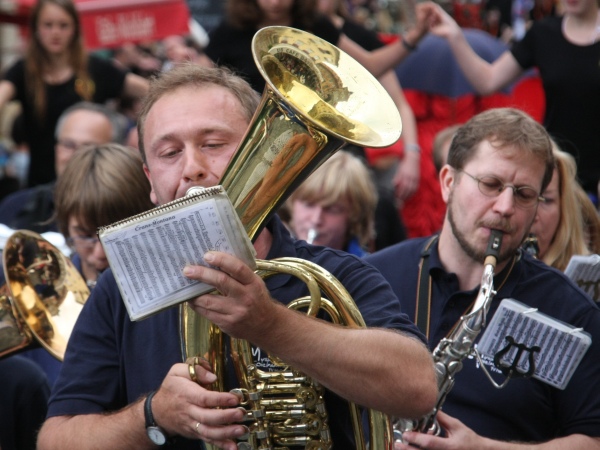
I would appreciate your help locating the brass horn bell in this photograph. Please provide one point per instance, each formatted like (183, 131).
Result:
(42, 296)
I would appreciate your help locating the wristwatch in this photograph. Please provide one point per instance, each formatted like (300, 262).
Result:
(154, 432)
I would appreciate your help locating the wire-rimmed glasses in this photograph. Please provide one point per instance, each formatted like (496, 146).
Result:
(490, 186)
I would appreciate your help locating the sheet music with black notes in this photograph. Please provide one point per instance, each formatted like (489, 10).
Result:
(147, 252)
(561, 346)
(584, 270)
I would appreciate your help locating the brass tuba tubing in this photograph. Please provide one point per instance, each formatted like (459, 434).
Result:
(316, 100)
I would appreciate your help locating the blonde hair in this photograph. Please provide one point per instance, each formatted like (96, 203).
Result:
(344, 177)
(570, 236)
(101, 184)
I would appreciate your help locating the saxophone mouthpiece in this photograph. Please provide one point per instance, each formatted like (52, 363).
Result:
(493, 248)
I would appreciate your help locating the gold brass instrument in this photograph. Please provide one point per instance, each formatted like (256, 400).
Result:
(42, 297)
(316, 99)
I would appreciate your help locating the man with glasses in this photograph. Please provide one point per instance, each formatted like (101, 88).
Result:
(498, 165)
(82, 124)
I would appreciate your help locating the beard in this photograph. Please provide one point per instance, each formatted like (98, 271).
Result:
(479, 254)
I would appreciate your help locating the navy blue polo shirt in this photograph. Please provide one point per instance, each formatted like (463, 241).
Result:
(111, 361)
(527, 410)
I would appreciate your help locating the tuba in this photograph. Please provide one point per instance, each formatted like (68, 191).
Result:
(42, 296)
(316, 100)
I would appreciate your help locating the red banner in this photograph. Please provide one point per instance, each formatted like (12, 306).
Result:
(111, 23)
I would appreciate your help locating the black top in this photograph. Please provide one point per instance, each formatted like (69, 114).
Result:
(571, 77)
(232, 47)
(108, 83)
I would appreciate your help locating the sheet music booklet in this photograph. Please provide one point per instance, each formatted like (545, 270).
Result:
(585, 273)
(148, 252)
(561, 346)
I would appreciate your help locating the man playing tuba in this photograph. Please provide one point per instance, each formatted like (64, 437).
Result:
(190, 125)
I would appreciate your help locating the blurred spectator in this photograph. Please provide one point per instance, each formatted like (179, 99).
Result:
(55, 73)
(561, 227)
(23, 398)
(565, 51)
(397, 167)
(335, 206)
(137, 59)
(81, 124)
(441, 146)
(230, 42)
(178, 50)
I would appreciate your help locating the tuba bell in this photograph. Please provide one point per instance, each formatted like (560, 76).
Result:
(42, 296)
(316, 99)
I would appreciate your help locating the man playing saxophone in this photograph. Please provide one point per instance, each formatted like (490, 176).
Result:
(498, 165)
(190, 125)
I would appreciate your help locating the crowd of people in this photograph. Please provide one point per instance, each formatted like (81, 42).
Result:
(110, 138)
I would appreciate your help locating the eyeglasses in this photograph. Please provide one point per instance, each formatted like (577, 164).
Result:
(87, 242)
(525, 196)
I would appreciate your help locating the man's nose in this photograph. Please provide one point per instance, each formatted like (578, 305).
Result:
(505, 202)
(195, 165)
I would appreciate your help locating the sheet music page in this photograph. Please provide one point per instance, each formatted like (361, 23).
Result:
(147, 255)
(561, 346)
(585, 273)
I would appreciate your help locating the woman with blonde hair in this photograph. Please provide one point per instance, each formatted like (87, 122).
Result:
(335, 206)
(56, 73)
(560, 226)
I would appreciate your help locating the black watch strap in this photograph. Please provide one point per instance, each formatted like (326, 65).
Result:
(148, 410)
(155, 433)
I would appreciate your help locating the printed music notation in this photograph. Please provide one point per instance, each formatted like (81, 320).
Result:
(585, 273)
(559, 347)
(148, 252)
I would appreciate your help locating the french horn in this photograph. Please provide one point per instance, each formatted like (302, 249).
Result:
(42, 296)
(316, 99)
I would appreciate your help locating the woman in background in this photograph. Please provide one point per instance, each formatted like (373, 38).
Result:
(56, 73)
(560, 227)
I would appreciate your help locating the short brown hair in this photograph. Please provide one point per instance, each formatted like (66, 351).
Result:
(190, 75)
(101, 184)
(502, 127)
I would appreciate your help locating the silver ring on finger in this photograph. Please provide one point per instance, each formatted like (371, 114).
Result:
(197, 427)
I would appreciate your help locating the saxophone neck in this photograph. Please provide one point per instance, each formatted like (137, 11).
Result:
(486, 290)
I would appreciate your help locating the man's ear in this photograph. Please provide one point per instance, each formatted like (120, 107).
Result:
(447, 178)
(153, 198)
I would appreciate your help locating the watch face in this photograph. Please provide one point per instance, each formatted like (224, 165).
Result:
(156, 435)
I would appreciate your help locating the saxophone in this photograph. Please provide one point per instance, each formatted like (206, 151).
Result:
(453, 349)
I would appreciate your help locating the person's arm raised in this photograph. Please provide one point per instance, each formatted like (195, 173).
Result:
(389, 56)
(7, 93)
(485, 77)
(135, 86)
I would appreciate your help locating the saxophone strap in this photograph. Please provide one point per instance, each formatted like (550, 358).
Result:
(423, 306)
(423, 303)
